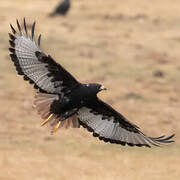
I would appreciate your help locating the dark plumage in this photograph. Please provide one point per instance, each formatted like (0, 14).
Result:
(62, 101)
(62, 8)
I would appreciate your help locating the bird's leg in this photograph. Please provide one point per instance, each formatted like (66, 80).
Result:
(56, 127)
(46, 120)
(63, 117)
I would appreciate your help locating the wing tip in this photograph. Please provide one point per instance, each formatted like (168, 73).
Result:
(39, 40)
(19, 27)
(163, 139)
(33, 29)
(12, 28)
(24, 26)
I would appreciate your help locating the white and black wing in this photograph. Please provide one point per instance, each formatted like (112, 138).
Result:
(41, 70)
(110, 126)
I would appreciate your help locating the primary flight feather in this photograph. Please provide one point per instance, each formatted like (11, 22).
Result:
(62, 101)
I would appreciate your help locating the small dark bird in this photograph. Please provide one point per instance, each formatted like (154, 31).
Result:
(61, 9)
(158, 73)
(62, 101)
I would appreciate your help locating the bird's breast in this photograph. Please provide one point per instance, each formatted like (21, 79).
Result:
(76, 99)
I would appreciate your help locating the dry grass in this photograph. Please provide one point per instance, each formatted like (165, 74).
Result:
(120, 44)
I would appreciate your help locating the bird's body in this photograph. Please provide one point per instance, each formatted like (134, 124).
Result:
(62, 101)
(62, 8)
(78, 97)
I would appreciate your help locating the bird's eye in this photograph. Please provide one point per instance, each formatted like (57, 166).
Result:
(102, 88)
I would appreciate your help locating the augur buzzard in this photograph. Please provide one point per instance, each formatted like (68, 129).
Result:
(62, 101)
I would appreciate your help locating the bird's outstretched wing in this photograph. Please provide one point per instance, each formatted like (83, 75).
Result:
(110, 126)
(36, 67)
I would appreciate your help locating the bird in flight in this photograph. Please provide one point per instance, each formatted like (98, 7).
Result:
(61, 8)
(62, 101)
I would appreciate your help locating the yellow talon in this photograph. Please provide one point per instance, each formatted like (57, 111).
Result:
(56, 127)
(46, 120)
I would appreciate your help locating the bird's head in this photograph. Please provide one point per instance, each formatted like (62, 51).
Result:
(95, 88)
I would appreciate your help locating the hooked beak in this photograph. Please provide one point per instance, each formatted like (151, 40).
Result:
(102, 88)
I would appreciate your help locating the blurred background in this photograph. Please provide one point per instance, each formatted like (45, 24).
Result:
(132, 47)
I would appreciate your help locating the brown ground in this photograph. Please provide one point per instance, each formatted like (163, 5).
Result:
(133, 48)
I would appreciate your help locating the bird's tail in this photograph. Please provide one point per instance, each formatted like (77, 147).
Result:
(43, 103)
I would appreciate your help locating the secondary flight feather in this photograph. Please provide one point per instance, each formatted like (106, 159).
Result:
(62, 101)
